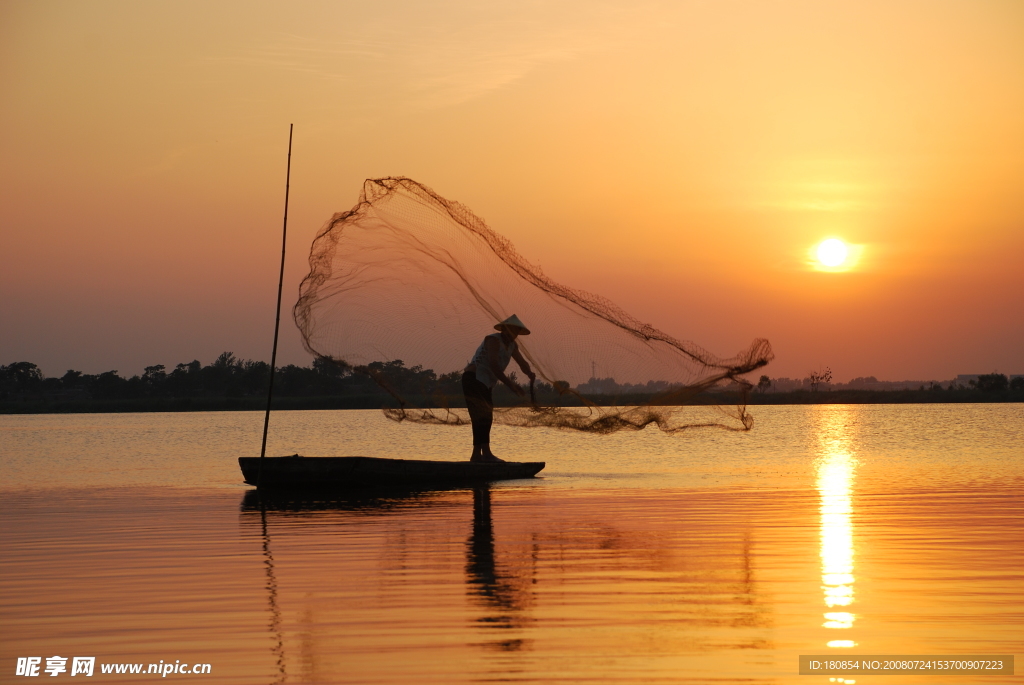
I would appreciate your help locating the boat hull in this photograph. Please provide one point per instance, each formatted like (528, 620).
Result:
(332, 473)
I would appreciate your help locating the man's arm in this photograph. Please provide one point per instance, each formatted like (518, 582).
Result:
(523, 364)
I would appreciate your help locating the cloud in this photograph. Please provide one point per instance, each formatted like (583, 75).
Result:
(435, 59)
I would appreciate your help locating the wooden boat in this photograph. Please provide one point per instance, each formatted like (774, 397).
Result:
(319, 473)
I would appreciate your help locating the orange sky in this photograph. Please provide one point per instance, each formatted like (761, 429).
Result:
(679, 158)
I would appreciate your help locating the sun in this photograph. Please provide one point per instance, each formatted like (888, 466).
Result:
(835, 255)
(832, 252)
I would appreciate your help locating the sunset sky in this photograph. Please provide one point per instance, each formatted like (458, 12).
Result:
(683, 159)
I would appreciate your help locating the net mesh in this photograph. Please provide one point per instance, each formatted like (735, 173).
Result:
(408, 275)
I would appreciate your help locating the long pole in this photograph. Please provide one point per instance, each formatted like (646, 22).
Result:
(277, 321)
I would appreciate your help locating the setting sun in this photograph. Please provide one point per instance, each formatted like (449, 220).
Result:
(832, 252)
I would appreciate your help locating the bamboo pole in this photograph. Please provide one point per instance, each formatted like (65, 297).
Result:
(277, 321)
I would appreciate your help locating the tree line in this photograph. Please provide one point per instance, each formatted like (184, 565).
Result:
(233, 383)
(987, 383)
(227, 376)
(245, 381)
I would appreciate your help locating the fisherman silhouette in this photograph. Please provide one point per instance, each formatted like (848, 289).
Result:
(483, 372)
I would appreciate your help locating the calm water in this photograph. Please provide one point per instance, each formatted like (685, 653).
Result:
(707, 557)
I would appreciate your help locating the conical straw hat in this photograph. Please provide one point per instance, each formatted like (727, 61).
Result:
(513, 322)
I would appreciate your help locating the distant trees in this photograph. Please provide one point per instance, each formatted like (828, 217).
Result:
(816, 378)
(153, 375)
(21, 377)
(231, 377)
(992, 382)
(609, 386)
(996, 384)
(379, 383)
(226, 377)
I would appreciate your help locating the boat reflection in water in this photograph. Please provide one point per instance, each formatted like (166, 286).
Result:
(607, 586)
(503, 594)
(836, 467)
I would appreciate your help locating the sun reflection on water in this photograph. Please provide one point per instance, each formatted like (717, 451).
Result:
(836, 467)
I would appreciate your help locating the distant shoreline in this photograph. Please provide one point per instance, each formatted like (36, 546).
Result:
(232, 384)
(252, 403)
(966, 396)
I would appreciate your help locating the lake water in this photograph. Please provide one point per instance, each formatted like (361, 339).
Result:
(704, 557)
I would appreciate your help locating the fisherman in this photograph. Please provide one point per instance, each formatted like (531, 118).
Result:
(483, 372)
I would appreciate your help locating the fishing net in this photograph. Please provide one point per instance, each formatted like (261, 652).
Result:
(404, 286)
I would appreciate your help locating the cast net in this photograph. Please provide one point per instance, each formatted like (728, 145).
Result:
(404, 286)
